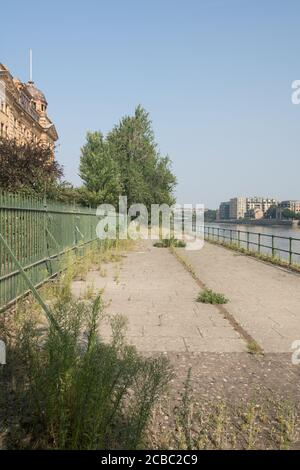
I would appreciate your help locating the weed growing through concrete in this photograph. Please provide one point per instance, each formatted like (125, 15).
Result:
(253, 348)
(170, 242)
(207, 296)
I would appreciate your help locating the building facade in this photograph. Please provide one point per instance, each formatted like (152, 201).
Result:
(291, 205)
(237, 207)
(224, 211)
(23, 112)
(250, 207)
(261, 203)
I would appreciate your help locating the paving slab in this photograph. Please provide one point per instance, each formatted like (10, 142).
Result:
(264, 298)
(158, 297)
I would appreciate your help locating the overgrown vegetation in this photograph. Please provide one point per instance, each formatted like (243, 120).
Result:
(207, 296)
(70, 390)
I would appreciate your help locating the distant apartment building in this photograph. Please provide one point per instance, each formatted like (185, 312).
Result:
(291, 205)
(237, 207)
(261, 203)
(23, 112)
(240, 207)
(224, 211)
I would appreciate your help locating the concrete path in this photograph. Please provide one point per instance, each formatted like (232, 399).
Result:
(264, 299)
(157, 295)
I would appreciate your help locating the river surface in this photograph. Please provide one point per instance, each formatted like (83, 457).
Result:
(281, 239)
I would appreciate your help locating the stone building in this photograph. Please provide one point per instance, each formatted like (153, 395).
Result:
(23, 112)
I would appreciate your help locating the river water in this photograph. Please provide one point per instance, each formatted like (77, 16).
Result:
(281, 239)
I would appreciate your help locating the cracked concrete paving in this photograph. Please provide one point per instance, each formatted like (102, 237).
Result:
(264, 299)
(157, 295)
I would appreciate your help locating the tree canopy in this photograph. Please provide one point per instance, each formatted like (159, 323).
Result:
(27, 167)
(127, 163)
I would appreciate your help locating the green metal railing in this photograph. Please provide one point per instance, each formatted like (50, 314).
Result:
(287, 248)
(38, 232)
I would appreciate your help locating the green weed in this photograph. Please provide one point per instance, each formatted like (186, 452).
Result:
(207, 296)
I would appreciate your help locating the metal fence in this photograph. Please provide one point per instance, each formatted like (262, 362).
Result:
(286, 248)
(38, 232)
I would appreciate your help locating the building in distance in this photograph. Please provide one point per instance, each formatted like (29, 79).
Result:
(245, 207)
(292, 205)
(23, 112)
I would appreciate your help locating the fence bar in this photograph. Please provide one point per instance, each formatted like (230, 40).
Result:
(289, 251)
(37, 232)
(34, 291)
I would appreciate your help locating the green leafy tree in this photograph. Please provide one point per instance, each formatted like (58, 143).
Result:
(146, 177)
(99, 172)
(27, 167)
(271, 213)
(210, 215)
(288, 214)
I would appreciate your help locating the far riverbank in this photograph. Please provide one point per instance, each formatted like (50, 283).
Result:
(261, 222)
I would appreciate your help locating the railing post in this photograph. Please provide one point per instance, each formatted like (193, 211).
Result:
(259, 242)
(248, 241)
(290, 251)
(47, 245)
(75, 229)
(273, 247)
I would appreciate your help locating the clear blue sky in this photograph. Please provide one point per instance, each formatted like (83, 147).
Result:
(215, 76)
